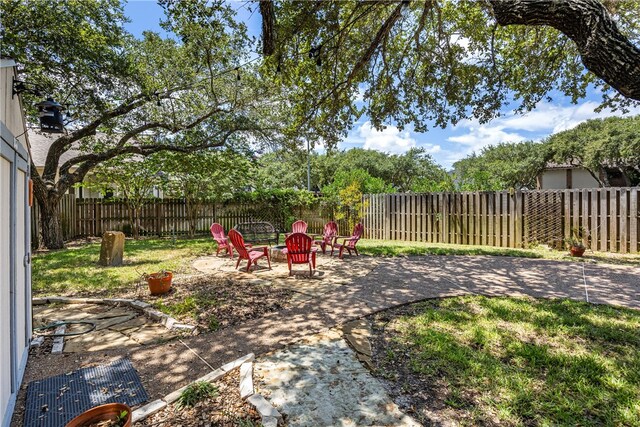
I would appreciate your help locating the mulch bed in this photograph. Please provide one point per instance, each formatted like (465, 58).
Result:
(221, 302)
(227, 409)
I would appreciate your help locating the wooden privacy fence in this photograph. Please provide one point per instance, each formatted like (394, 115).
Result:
(607, 216)
(166, 217)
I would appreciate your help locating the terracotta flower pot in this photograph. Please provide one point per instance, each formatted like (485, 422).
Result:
(110, 411)
(159, 283)
(577, 250)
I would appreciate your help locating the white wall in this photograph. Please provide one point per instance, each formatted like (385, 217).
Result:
(15, 278)
(554, 179)
(5, 332)
(580, 178)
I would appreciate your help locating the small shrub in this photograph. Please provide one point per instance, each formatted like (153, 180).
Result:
(214, 324)
(196, 392)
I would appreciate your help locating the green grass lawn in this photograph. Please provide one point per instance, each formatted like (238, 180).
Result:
(514, 362)
(396, 248)
(75, 271)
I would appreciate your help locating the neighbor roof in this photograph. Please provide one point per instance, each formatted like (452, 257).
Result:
(40, 144)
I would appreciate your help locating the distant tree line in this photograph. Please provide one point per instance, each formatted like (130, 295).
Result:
(606, 148)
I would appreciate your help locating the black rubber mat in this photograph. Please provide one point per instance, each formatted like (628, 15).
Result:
(54, 401)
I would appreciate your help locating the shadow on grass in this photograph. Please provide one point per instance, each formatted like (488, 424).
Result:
(524, 361)
(76, 270)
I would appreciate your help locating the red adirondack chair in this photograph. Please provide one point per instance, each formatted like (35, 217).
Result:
(223, 242)
(251, 254)
(328, 236)
(299, 251)
(297, 227)
(350, 242)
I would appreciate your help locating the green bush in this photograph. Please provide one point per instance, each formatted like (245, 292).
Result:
(196, 392)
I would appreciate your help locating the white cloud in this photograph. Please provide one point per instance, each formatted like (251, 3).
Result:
(481, 136)
(545, 120)
(550, 118)
(389, 140)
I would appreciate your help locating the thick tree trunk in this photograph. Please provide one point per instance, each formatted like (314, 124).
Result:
(51, 224)
(604, 50)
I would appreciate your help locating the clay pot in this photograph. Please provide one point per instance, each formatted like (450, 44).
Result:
(110, 411)
(577, 250)
(159, 283)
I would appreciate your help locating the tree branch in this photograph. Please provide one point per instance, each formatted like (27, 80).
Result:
(604, 50)
(61, 144)
(381, 35)
(268, 27)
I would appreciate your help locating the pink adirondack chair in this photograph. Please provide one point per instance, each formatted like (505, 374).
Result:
(299, 251)
(297, 227)
(350, 242)
(251, 254)
(217, 231)
(328, 236)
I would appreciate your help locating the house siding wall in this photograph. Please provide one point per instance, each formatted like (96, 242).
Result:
(583, 179)
(554, 179)
(15, 272)
(557, 179)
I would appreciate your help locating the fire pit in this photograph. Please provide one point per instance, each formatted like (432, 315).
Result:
(277, 253)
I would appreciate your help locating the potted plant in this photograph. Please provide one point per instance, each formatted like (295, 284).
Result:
(109, 415)
(159, 283)
(575, 242)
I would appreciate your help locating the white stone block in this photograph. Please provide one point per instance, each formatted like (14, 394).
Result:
(246, 380)
(269, 422)
(58, 342)
(183, 327)
(263, 407)
(139, 304)
(37, 342)
(233, 365)
(213, 376)
(148, 409)
(155, 314)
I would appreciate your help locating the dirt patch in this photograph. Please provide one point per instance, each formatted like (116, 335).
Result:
(214, 303)
(225, 409)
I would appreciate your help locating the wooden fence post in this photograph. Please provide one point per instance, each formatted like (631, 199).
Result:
(633, 221)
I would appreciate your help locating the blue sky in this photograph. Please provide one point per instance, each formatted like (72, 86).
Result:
(445, 145)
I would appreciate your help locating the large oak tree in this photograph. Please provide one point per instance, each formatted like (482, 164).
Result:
(435, 62)
(129, 96)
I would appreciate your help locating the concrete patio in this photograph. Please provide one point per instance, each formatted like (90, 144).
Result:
(344, 290)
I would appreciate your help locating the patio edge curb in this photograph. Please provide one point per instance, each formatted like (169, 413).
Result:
(159, 404)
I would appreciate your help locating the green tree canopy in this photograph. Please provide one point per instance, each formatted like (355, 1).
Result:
(437, 62)
(605, 147)
(128, 96)
(501, 167)
(412, 171)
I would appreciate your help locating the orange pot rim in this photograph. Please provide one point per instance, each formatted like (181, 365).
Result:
(96, 413)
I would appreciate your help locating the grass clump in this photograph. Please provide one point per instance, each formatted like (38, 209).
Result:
(196, 392)
(519, 361)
